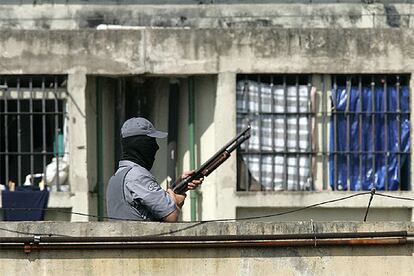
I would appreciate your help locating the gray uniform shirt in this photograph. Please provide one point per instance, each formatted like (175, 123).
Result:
(141, 187)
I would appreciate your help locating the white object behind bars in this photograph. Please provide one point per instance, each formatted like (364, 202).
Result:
(52, 171)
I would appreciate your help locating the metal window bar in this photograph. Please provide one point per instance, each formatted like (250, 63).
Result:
(44, 150)
(247, 174)
(348, 134)
(407, 153)
(310, 131)
(373, 147)
(324, 133)
(386, 133)
(56, 145)
(360, 121)
(31, 128)
(23, 92)
(335, 134)
(6, 135)
(398, 132)
(19, 133)
(297, 135)
(285, 138)
(259, 131)
(272, 108)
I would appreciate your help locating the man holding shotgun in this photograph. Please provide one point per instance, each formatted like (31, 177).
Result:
(134, 194)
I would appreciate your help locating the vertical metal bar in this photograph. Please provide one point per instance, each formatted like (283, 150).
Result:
(386, 154)
(44, 127)
(335, 123)
(374, 184)
(297, 134)
(348, 133)
(31, 129)
(285, 138)
(324, 131)
(6, 135)
(310, 131)
(360, 132)
(99, 148)
(3, 91)
(173, 119)
(191, 140)
(272, 120)
(19, 136)
(247, 175)
(56, 133)
(120, 118)
(260, 136)
(398, 133)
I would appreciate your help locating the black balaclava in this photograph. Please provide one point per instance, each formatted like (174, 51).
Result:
(140, 149)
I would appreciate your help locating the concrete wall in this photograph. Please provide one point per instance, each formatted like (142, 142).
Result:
(240, 15)
(214, 43)
(168, 51)
(312, 260)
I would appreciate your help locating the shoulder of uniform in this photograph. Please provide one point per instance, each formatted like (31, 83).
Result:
(140, 173)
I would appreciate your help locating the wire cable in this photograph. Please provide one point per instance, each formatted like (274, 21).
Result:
(395, 197)
(198, 223)
(216, 220)
(64, 212)
(31, 233)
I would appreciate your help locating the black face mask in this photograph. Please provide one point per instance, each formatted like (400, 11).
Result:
(140, 149)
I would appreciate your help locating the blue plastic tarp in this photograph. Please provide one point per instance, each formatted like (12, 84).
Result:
(374, 134)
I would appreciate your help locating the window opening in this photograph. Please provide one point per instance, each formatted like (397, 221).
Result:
(32, 116)
(278, 156)
(372, 112)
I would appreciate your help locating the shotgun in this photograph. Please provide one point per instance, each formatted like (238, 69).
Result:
(213, 163)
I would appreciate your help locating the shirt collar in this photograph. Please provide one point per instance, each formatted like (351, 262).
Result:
(127, 163)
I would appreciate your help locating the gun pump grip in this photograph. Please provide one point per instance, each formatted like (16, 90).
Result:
(217, 162)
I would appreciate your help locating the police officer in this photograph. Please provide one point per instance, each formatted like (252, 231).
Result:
(133, 193)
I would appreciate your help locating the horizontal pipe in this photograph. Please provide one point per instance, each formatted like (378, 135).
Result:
(27, 153)
(341, 112)
(304, 153)
(207, 238)
(32, 113)
(206, 244)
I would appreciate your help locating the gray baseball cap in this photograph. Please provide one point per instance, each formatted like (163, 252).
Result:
(140, 126)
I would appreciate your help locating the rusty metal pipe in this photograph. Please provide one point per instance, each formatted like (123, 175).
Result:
(153, 238)
(208, 244)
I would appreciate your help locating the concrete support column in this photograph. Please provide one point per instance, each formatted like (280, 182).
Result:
(77, 144)
(225, 129)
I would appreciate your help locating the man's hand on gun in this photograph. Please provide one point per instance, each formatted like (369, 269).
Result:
(179, 198)
(193, 184)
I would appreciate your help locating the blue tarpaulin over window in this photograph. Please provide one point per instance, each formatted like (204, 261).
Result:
(365, 152)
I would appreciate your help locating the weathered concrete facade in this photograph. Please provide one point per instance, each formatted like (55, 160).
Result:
(315, 14)
(243, 260)
(214, 43)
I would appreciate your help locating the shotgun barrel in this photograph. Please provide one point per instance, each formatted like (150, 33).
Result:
(180, 187)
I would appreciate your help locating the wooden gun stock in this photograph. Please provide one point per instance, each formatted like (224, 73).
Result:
(213, 163)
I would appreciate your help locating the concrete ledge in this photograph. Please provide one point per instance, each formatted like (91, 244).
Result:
(107, 229)
(348, 259)
(301, 199)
